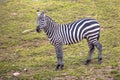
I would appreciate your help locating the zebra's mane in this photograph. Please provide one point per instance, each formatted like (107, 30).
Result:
(50, 19)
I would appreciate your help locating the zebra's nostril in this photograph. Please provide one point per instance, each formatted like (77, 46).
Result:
(37, 30)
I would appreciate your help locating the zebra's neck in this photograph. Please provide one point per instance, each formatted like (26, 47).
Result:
(51, 26)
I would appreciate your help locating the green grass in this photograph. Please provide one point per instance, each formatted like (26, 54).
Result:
(34, 52)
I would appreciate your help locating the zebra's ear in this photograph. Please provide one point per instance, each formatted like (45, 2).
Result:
(38, 12)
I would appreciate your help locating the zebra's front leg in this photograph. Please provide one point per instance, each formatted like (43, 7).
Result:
(92, 48)
(59, 55)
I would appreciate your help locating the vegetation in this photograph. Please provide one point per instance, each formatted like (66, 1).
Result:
(31, 54)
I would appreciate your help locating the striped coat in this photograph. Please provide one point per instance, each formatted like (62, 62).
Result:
(60, 34)
(74, 32)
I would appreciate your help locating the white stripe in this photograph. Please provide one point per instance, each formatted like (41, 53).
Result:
(67, 34)
(61, 32)
(71, 32)
(90, 31)
(87, 28)
(80, 29)
(93, 41)
(93, 37)
(92, 34)
(76, 25)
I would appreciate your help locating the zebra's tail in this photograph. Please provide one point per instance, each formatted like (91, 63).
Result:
(98, 36)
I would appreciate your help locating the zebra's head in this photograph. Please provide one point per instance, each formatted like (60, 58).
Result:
(41, 21)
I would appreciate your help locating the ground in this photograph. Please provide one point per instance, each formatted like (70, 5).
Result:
(30, 54)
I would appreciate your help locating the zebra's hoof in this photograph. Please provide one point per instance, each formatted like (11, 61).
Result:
(59, 67)
(87, 62)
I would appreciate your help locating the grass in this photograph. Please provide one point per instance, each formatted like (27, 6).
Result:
(32, 51)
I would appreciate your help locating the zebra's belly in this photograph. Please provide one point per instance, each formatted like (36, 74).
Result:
(70, 40)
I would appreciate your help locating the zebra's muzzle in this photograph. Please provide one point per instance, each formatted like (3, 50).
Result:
(38, 30)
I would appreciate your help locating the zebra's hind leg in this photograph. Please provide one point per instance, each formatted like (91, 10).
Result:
(92, 48)
(59, 55)
(99, 48)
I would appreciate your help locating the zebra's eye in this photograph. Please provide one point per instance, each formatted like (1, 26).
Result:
(42, 19)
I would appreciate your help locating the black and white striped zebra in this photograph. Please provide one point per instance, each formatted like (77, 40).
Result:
(71, 33)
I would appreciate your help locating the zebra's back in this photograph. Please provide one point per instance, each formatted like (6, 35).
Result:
(78, 30)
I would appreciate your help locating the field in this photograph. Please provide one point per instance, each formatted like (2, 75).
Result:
(30, 54)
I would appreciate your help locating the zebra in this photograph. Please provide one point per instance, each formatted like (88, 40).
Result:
(60, 34)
